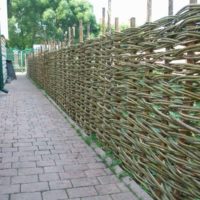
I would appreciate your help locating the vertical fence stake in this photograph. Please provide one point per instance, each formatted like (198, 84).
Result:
(88, 31)
(149, 10)
(193, 1)
(132, 22)
(69, 36)
(117, 24)
(171, 8)
(72, 34)
(103, 20)
(80, 31)
(109, 17)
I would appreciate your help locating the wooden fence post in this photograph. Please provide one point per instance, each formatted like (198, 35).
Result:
(73, 34)
(88, 31)
(109, 29)
(117, 24)
(171, 8)
(69, 36)
(149, 10)
(103, 20)
(80, 31)
(132, 22)
(193, 1)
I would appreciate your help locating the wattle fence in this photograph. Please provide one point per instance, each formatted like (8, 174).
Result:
(139, 92)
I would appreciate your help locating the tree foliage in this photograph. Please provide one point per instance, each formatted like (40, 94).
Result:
(34, 21)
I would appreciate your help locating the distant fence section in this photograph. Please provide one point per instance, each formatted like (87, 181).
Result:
(139, 91)
(18, 58)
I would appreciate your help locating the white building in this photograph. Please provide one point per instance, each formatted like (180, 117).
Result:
(4, 18)
(3, 38)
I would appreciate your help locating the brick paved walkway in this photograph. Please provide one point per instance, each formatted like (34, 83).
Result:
(41, 157)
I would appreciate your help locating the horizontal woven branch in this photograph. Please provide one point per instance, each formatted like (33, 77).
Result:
(139, 91)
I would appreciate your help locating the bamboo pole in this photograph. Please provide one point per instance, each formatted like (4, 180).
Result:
(80, 31)
(171, 8)
(117, 24)
(149, 10)
(132, 22)
(103, 20)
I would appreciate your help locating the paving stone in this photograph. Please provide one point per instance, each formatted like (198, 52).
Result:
(63, 184)
(9, 189)
(95, 172)
(34, 187)
(23, 164)
(108, 179)
(49, 177)
(8, 172)
(24, 179)
(30, 171)
(106, 197)
(4, 180)
(4, 197)
(79, 182)
(45, 163)
(127, 196)
(78, 167)
(26, 196)
(55, 195)
(107, 189)
(81, 192)
(5, 165)
(53, 169)
(72, 174)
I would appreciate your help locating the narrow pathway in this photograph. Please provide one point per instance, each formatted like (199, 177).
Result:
(41, 156)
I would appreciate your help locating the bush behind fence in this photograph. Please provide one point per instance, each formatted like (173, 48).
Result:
(139, 91)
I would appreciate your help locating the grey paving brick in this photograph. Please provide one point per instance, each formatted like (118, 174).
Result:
(107, 189)
(96, 165)
(5, 165)
(45, 163)
(42, 152)
(53, 169)
(22, 144)
(55, 195)
(30, 171)
(4, 197)
(49, 177)
(34, 187)
(29, 148)
(70, 167)
(81, 192)
(126, 196)
(8, 172)
(51, 157)
(95, 172)
(9, 189)
(27, 196)
(23, 164)
(79, 182)
(63, 184)
(4, 180)
(10, 159)
(24, 179)
(106, 197)
(108, 179)
(72, 174)
(30, 158)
